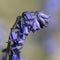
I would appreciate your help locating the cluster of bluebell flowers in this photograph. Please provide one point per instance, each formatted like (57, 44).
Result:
(26, 23)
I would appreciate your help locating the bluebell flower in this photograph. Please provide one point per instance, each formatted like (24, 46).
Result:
(36, 25)
(25, 30)
(22, 40)
(29, 21)
(13, 35)
(26, 15)
(42, 21)
(42, 18)
(15, 57)
(45, 17)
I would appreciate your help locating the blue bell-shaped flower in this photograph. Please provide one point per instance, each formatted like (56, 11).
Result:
(33, 27)
(37, 24)
(42, 21)
(26, 15)
(14, 35)
(15, 57)
(25, 30)
(22, 41)
(43, 17)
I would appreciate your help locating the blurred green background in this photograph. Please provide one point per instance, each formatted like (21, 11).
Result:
(33, 48)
